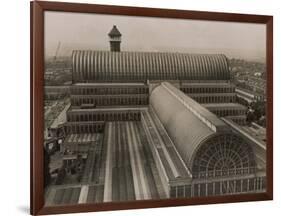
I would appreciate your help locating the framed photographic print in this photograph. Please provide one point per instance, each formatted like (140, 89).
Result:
(141, 107)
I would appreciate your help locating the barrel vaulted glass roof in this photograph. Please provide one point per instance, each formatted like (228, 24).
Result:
(98, 66)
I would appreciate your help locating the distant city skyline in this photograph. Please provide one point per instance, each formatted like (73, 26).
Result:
(89, 31)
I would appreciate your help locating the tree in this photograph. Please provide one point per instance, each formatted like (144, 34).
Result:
(61, 176)
(259, 109)
(250, 117)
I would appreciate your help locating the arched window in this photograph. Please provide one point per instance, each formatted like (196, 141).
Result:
(223, 155)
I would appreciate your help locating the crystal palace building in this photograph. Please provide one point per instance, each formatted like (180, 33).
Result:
(153, 125)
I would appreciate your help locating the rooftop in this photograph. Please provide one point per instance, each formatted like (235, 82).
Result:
(106, 66)
(110, 84)
(81, 138)
(114, 32)
(61, 117)
(108, 109)
(188, 124)
(218, 83)
(207, 117)
(223, 105)
(159, 140)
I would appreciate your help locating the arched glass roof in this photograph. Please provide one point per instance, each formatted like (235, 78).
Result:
(100, 66)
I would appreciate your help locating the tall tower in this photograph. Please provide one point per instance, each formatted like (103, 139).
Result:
(114, 39)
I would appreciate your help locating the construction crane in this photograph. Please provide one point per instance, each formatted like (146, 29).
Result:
(57, 51)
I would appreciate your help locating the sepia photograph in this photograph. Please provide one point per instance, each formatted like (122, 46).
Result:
(152, 108)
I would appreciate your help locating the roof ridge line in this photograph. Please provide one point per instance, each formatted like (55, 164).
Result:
(202, 118)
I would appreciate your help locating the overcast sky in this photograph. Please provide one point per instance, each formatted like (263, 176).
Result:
(89, 31)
